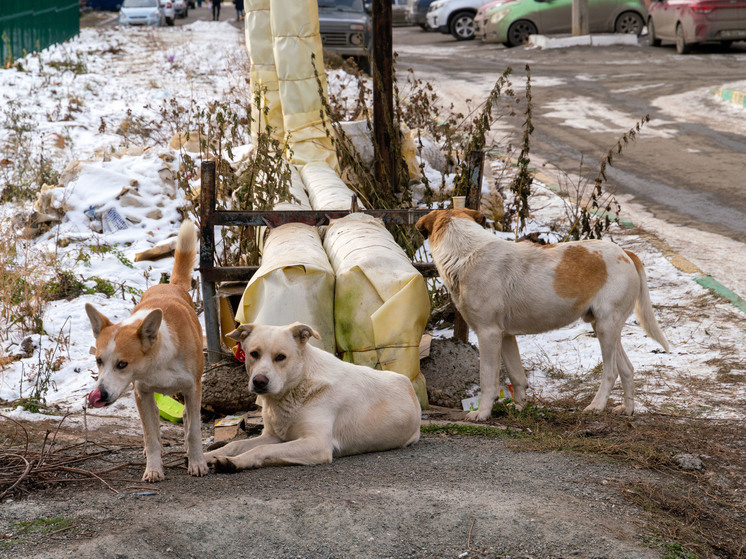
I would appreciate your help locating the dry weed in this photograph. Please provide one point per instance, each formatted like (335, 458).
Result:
(701, 511)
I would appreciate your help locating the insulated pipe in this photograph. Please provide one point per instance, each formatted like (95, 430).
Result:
(295, 33)
(263, 74)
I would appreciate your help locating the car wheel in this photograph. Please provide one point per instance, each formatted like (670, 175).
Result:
(186, 13)
(682, 47)
(462, 26)
(519, 32)
(629, 22)
(169, 21)
(653, 41)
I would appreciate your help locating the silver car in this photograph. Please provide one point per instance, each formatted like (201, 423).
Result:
(143, 12)
(345, 27)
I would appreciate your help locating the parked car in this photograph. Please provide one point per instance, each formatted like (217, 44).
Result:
(142, 12)
(512, 21)
(181, 7)
(168, 11)
(399, 15)
(454, 16)
(688, 22)
(417, 12)
(345, 27)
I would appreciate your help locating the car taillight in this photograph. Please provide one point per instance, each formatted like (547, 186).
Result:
(169, 5)
(697, 9)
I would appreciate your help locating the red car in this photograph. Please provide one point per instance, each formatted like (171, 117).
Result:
(687, 22)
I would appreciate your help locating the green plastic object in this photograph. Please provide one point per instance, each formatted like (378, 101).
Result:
(169, 409)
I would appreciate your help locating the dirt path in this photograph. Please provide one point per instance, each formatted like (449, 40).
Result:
(448, 496)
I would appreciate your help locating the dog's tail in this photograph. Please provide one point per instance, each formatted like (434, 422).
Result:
(186, 252)
(644, 308)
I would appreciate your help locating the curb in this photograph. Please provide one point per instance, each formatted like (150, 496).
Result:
(708, 282)
(595, 40)
(675, 259)
(735, 96)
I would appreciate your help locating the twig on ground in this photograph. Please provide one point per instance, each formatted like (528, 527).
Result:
(20, 479)
(86, 472)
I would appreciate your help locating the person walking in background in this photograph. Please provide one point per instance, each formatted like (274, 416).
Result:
(239, 9)
(215, 10)
(199, 3)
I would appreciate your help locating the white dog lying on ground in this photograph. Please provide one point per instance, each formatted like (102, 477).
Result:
(503, 289)
(315, 406)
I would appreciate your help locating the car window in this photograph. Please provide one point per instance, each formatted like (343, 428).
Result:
(343, 5)
(140, 4)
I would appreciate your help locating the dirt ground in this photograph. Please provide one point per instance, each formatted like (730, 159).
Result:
(509, 489)
(423, 501)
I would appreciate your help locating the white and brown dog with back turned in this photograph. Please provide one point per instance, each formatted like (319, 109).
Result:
(158, 348)
(315, 406)
(503, 289)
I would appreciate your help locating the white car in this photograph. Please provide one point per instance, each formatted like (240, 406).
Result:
(168, 11)
(181, 7)
(146, 12)
(455, 17)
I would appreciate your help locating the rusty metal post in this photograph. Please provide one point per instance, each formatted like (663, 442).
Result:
(383, 96)
(475, 172)
(207, 259)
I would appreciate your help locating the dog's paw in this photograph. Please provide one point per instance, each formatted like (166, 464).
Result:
(153, 476)
(198, 468)
(223, 464)
(592, 408)
(479, 415)
(621, 409)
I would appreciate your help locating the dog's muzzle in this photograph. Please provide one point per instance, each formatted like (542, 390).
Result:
(259, 384)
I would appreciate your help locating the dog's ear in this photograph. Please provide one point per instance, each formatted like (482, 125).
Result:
(477, 216)
(148, 330)
(303, 332)
(98, 321)
(425, 223)
(240, 333)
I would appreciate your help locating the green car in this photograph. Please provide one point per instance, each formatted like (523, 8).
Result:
(512, 21)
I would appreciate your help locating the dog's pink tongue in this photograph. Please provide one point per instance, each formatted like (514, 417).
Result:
(94, 399)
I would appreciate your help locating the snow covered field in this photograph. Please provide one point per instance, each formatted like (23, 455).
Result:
(76, 95)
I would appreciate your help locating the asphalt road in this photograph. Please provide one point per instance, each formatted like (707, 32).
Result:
(204, 13)
(689, 165)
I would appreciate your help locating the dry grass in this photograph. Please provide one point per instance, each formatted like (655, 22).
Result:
(702, 511)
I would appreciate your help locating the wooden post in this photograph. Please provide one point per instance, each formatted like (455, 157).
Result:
(207, 259)
(473, 200)
(580, 18)
(383, 96)
(474, 186)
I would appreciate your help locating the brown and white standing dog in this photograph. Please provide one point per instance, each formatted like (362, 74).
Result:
(315, 406)
(503, 289)
(159, 349)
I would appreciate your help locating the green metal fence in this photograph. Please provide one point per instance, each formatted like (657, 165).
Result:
(31, 25)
